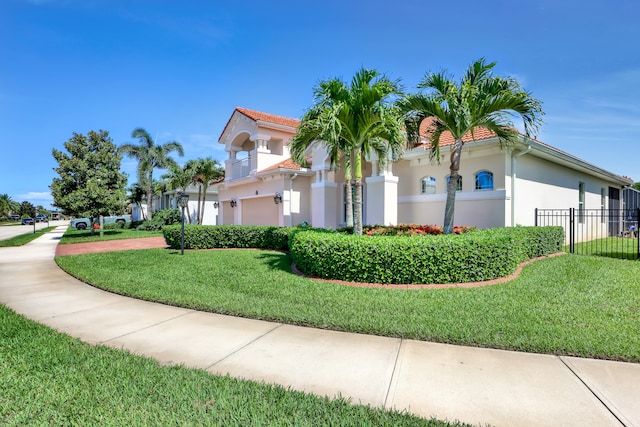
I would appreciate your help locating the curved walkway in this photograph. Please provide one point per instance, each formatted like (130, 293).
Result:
(475, 385)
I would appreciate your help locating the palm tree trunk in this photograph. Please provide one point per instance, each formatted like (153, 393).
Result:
(144, 216)
(449, 208)
(198, 204)
(357, 203)
(348, 195)
(204, 199)
(150, 202)
(150, 196)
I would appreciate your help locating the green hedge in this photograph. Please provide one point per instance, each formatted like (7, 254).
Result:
(477, 256)
(228, 236)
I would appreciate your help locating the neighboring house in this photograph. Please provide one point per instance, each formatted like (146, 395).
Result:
(496, 188)
(168, 200)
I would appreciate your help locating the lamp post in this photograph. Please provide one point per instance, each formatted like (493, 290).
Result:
(183, 201)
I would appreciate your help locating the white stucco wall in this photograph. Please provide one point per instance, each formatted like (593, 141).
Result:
(545, 185)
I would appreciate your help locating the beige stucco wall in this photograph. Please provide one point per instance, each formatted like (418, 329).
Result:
(255, 198)
(480, 208)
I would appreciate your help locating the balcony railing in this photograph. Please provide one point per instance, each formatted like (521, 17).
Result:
(239, 169)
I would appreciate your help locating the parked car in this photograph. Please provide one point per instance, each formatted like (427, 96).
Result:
(84, 223)
(14, 217)
(27, 221)
(41, 218)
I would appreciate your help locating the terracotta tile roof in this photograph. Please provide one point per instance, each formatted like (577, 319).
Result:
(287, 164)
(263, 117)
(269, 118)
(447, 139)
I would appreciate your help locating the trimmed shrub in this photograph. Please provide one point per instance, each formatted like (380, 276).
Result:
(160, 219)
(478, 256)
(115, 226)
(168, 216)
(228, 236)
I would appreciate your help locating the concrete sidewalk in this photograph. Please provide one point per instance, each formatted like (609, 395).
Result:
(474, 385)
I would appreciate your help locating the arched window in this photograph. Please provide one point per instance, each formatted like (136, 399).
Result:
(458, 185)
(484, 180)
(428, 185)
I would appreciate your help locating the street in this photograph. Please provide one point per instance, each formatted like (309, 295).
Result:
(9, 231)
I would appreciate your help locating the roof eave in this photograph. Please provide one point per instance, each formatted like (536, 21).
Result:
(574, 162)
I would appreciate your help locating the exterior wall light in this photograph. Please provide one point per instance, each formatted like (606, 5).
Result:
(216, 205)
(277, 199)
(233, 203)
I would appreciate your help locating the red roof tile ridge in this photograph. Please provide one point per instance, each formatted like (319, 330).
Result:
(260, 116)
(285, 164)
(268, 117)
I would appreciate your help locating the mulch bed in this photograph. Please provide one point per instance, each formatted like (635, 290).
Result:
(110, 246)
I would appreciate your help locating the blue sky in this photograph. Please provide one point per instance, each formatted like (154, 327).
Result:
(179, 68)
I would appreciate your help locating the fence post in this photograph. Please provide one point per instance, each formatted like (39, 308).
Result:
(535, 222)
(637, 230)
(572, 234)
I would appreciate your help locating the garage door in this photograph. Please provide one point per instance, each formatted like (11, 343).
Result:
(260, 211)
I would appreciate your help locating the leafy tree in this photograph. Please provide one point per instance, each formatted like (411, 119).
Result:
(479, 100)
(206, 170)
(27, 210)
(636, 186)
(89, 182)
(354, 121)
(150, 156)
(8, 205)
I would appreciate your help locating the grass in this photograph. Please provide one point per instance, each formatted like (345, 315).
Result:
(571, 305)
(23, 239)
(49, 378)
(80, 236)
(614, 247)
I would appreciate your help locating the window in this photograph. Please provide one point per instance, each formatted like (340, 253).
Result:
(581, 202)
(484, 180)
(428, 185)
(459, 184)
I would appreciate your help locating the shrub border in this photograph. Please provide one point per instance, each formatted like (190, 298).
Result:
(415, 286)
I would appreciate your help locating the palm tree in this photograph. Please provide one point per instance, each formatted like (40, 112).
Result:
(179, 178)
(353, 120)
(313, 127)
(206, 170)
(137, 194)
(150, 156)
(479, 100)
(8, 205)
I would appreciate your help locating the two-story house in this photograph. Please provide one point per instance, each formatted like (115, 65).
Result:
(496, 187)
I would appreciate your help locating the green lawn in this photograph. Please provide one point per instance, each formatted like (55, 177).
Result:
(615, 247)
(23, 239)
(80, 236)
(49, 378)
(572, 305)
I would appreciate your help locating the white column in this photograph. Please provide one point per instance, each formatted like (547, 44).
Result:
(382, 199)
(324, 201)
(262, 142)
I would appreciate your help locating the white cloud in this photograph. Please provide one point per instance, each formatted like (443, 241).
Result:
(37, 198)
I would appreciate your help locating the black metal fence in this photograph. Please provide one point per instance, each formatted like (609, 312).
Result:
(606, 232)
